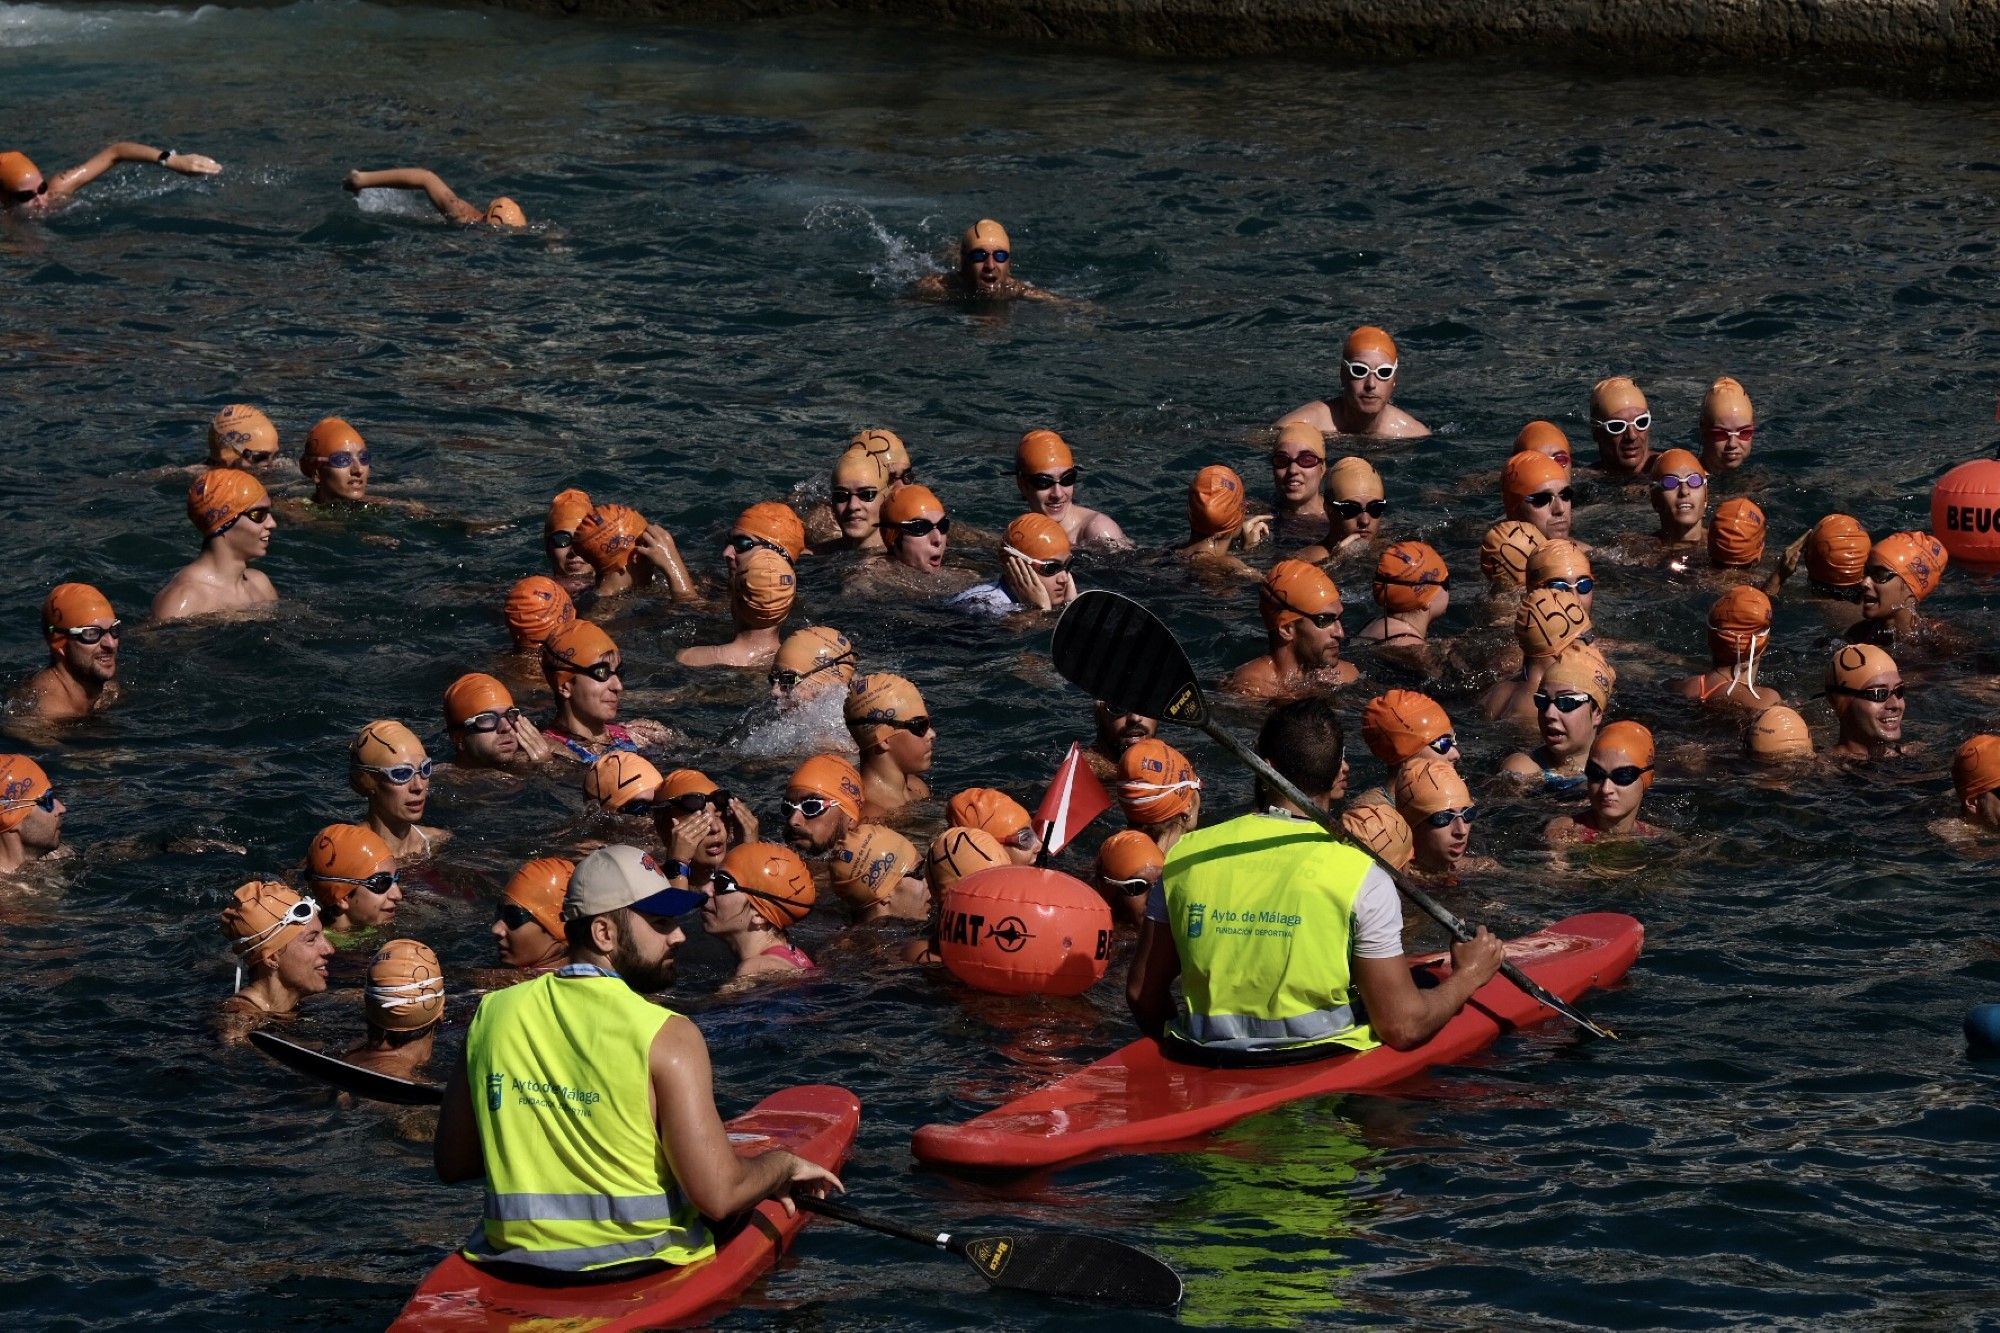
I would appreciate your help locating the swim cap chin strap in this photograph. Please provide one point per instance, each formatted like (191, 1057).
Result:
(1745, 670)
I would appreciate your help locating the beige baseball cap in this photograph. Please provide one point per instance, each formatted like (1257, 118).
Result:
(621, 876)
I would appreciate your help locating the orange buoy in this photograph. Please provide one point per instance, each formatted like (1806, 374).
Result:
(1965, 514)
(1016, 930)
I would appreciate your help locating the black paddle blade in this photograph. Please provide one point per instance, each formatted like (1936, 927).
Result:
(348, 1078)
(1075, 1266)
(1121, 653)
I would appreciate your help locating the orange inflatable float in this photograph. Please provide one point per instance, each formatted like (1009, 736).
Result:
(1965, 514)
(1016, 930)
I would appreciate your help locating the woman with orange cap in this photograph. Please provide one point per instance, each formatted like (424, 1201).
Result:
(500, 212)
(537, 606)
(30, 813)
(762, 588)
(1569, 707)
(1036, 577)
(528, 928)
(1368, 361)
(1298, 478)
(628, 552)
(1866, 690)
(698, 823)
(1536, 490)
(892, 730)
(822, 804)
(1564, 565)
(1216, 521)
(852, 518)
(487, 730)
(582, 667)
(83, 635)
(756, 896)
(403, 1001)
(1159, 792)
(1548, 621)
(242, 436)
(388, 765)
(1680, 498)
(1618, 775)
(1302, 610)
(280, 951)
(1903, 569)
(1728, 424)
(1001, 815)
(879, 876)
(1622, 424)
(351, 875)
(1975, 778)
(22, 186)
(1739, 632)
(1045, 473)
(335, 460)
(1128, 869)
(232, 512)
(1736, 534)
(1438, 807)
(1355, 507)
(566, 511)
(1413, 589)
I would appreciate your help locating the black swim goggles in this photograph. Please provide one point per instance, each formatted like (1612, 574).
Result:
(597, 671)
(88, 635)
(15, 197)
(1046, 481)
(256, 515)
(514, 916)
(1562, 703)
(921, 527)
(1874, 694)
(694, 802)
(789, 680)
(1543, 499)
(380, 882)
(840, 495)
(916, 726)
(1353, 509)
(740, 542)
(1622, 776)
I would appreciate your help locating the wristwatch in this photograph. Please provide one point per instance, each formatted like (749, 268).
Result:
(165, 153)
(679, 870)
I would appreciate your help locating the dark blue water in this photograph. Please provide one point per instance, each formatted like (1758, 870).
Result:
(708, 305)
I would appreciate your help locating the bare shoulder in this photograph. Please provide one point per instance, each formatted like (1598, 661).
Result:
(260, 586)
(1100, 529)
(1315, 414)
(1256, 679)
(1400, 425)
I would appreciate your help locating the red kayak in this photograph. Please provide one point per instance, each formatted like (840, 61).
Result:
(1137, 1098)
(815, 1121)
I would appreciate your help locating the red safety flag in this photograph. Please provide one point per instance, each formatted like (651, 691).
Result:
(1074, 798)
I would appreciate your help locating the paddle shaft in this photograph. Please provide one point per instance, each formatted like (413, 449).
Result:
(1432, 908)
(840, 1212)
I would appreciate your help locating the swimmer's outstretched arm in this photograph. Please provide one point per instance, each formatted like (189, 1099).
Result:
(449, 206)
(187, 164)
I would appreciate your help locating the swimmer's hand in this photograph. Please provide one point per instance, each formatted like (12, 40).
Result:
(1256, 529)
(810, 1176)
(353, 183)
(691, 834)
(192, 164)
(1478, 958)
(534, 745)
(746, 819)
(657, 547)
(1026, 585)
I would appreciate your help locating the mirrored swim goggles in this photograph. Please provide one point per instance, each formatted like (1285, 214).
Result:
(1543, 499)
(1874, 694)
(1361, 370)
(345, 458)
(1615, 426)
(789, 680)
(1562, 703)
(981, 256)
(514, 916)
(1353, 509)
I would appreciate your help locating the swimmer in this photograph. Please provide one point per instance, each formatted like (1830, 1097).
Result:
(1728, 425)
(22, 186)
(1680, 498)
(584, 671)
(1301, 609)
(1036, 577)
(1115, 734)
(1504, 553)
(280, 953)
(954, 854)
(822, 804)
(757, 895)
(811, 663)
(528, 928)
(1547, 438)
(537, 609)
(1045, 473)
(769, 525)
(83, 635)
(879, 876)
(1001, 815)
(351, 876)
(1400, 725)
(1536, 490)
(1564, 565)
(699, 824)
(1159, 793)
(1903, 569)
(893, 732)
(1383, 832)
(335, 461)
(1355, 507)
(1413, 589)
(1866, 690)
(567, 510)
(1739, 632)
(1975, 779)
(404, 1004)
(487, 730)
(761, 591)
(1216, 522)
(915, 535)
(622, 783)
(30, 813)
(627, 552)
(985, 270)
(501, 212)
(1618, 776)
(854, 502)
(1438, 807)
(1298, 473)
(1128, 868)
(387, 765)
(888, 448)
(1778, 735)
(1569, 709)
(1835, 553)
(1547, 621)
(232, 512)
(241, 436)
(1736, 534)
(1368, 362)
(1622, 425)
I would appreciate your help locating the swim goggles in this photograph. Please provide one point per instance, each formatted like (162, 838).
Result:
(1048, 569)
(1142, 794)
(1874, 574)
(400, 775)
(812, 807)
(1614, 426)
(740, 541)
(1319, 619)
(90, 634)
(981, 256)
(1622, 776)
(1562, 703)
(1047, 481)
(840, 495)
(916, 726)
(1670, 483)
(514, 916)
(921, 527)
(1446, 818)
(789, 680)
(490, 720)
(1581, 587)
(1874, 694)
(597, 671)
(46, 802)
(1560, 456)
(1361, 370)
(23, 196)
(1305, 460)
(1543, 499)
(1729, 435)
(560, 541)
(1131, 888)
(1444, 744)
(694, 802)
(255, 457)
(345, 458)
(1443, 583)
(380, 882)
(298, 914)
(404, 994)
(1353, 509)
(256, 515)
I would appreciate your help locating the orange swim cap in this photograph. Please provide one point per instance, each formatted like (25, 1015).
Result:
(809, 649)
(1353, 478)
(383, 743)
(958, 852)
(72, 606)
(1042, 451)
(258, 921)
(1129, 855)
(908, 502)
(1616, 395)
(984, 807)
(1678, 463)
(1581, 669)
(566, 510)
(879, 698)
(504, 212)
(775, 522)
(537, 607)
(1975, 769)
(1736, 534)
(1295, 435)
(1837, 552)
(344, 852)
(19, 174)
(1156, 783)
(1426, 786)
(1738, 620)
(764, 588)
(327, 438)
(1549, 619)
(405, 988)
(1558, 558)
(1855, 664)
(1542, 437)
(1215, 501)
(1401, 724)
(1505, 551)
(831, 777)
(472, 694)
(1294, 589)
(687, 782)
(1723, 396)
(1634, 740)
(1529, 474)
(856, 467)
(779, 885)
(617, 779)
(885, 445)
(607, 536)
(236, 428)
(222, 495)
(1368, 338)
(538, 887)
(1408, 577)
(1778, 733)
(577, 644)
(869, 862)
(1038, 537)
(1383, 832)
(22, 783)
(1917, 557)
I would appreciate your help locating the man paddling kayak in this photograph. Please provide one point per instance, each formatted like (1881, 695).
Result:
(590, 1111)
(1273, 927)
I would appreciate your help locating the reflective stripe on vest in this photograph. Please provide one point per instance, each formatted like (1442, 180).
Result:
(575, 1260)
(1241, 1029)
(582, 1207)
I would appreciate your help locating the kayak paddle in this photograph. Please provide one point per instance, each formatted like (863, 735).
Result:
(1122, 654)
(348, 1078)
(1070, 1264)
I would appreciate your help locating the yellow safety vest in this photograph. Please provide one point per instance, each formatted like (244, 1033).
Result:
(576, 1177)
(1262, 911)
